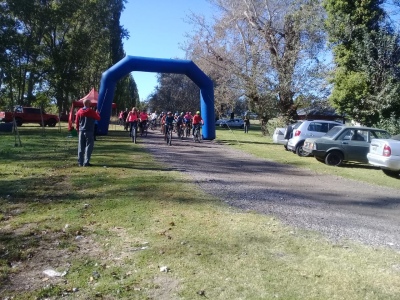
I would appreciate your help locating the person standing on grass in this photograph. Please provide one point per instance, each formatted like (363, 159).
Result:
(246, 124)
(85, 124)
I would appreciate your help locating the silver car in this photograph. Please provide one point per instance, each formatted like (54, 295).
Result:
(232, 123)
(308, 129)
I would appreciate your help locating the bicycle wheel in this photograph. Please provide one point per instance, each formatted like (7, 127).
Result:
(195, 135)
(170, 137)
(167, 137)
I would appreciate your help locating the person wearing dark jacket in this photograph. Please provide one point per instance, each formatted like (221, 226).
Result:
(85, 123)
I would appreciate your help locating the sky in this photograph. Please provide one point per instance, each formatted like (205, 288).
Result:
(157, 28)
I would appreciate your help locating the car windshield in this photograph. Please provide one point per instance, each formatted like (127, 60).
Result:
(331, 133)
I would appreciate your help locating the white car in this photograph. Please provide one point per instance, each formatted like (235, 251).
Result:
(279, 136)
(308, 129)
(385, 153)
(232, 123)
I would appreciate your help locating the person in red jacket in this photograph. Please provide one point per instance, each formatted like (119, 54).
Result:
(85, 124)
(197, 121)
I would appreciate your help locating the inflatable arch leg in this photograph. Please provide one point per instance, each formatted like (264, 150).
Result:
(133, 63)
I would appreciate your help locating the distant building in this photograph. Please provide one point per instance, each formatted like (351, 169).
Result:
(320, 113)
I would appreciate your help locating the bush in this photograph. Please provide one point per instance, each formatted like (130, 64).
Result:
(274, 123)
(392, 125)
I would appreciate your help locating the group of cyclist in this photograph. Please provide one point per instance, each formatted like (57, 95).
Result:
(136, 120)
(180, 123)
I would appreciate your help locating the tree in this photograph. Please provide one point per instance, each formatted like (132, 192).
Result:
(366, 82)
(263, 50)
(60, 48)
(175, 93)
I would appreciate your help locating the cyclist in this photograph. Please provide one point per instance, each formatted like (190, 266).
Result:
(179, 124)
(143, 120)
(121, 119)
(188, 120)
(162, 122)
(197, 121)
(132, 119)
(153, 119)
(169, 123)
(126, 125)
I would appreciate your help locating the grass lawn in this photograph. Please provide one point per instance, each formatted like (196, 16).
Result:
(128, 229)
(263, 147)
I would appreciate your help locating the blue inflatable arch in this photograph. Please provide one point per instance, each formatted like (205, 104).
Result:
(133, 63)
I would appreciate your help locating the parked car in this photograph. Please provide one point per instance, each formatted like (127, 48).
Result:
(343, 143)
(385, 153)
(23, 115)
(250, 115)
(279, 136)
(232, 123)
(307, 129)
(219, 121)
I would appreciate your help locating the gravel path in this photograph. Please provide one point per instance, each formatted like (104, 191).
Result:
(337, 207)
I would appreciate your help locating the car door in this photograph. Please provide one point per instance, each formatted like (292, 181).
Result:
(32, 115)
(356, 145)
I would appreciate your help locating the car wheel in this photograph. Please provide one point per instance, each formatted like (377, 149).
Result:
(300, 151)
(390, 173)
(51, 123)
(18, 121)
(334, 158)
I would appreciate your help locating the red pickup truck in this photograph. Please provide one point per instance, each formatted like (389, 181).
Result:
(29, 115)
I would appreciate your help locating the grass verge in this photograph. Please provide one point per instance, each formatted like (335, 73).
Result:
(263, 147)
(128, 229)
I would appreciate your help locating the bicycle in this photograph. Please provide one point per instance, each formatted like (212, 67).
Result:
(168, 134)
(196, 133)
(180, 131)
(143, 128)
(153, 125)
(133, 131)
(187, 130)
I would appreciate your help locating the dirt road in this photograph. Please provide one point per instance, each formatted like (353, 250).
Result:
(337, 207)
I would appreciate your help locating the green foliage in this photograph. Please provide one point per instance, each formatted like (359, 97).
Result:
(175, 92)
(366, 82)
(279, 122)
(391, 124)
(60, 48)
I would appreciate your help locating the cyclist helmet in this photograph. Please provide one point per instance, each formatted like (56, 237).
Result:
(169, 113)
(182, 113)
(197, 112)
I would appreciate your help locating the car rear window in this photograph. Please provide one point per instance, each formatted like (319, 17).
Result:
(331, 133)
(320, 126)
(296, 125)
(375, 134)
